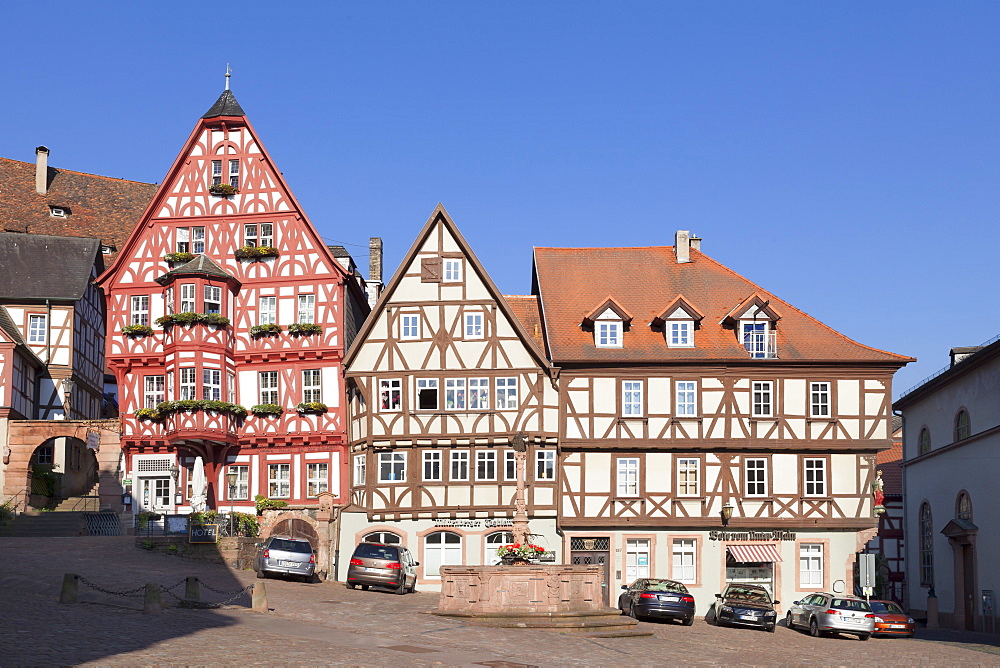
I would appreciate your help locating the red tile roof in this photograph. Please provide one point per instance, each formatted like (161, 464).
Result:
(644, 281)
(99, 206)
(526, 309)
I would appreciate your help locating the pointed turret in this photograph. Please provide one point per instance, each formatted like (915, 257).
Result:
(226, 105)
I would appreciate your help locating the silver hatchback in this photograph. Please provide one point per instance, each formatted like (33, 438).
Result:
(825, 614)
(282, 555)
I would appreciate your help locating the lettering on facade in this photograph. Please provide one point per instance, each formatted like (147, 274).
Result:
(751, 535)
(474, 524)
(203, 533)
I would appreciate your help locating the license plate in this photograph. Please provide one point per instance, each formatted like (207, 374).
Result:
(897, 626)
(373, 570)
(853, 620)
(751, 618)
(668, 598)
(288, 563)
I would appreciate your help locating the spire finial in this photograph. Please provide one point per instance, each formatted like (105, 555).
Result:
(229, 73)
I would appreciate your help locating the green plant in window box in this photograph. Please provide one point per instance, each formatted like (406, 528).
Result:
(137, 330)
(311, 407)
(222, 189)
(191, 318)
(255, 252)
(193, 405)
(263, 503)
(266, 409)
(179, 257)
(143, 519)
(150, 414)
(265, 330)
(304, 328)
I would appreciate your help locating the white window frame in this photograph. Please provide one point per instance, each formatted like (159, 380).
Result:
(241, 490)
(427, 385)
(139, 313)
(360, 469)
(627, 479)
(211, 384)
(267, 311)
(452, 270)
(458, 466)
(474, 328)
(234, 173)
(279, 481)
(680, 334)
(479, 394)
(688, 474)
(306, 309)
(755, 476)
(433, 466)
(755, 335)
(168, 300)
(545, 465)
(486, 465)
(632, 394)
(154, 390)
(269, 386)
(317, 482)
(38, 328)
(396, 463)
(216, 174)
(312, 385)
(506, 393)
(188, 383)
(811, 565)
(762, 398)
(819, 400)
(386, 387)
(509, 465)
(231, 386)
(454, 394)
(684, 560)
(814, 478)
(635, 549)
(212, 294)
(608, 333)
(188, 303)
(441, 549)
(686, 393)
(409, 326)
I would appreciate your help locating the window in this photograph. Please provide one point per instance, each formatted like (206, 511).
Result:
(452, 271)
(963, 507)
(681, 334)
(636, 559)
(494, 542)
(384, 537)
(509, 465)
(762, 398)
(815, 477)
(473, 325)
(392, 467)
(545, 465)
(191, 240)
(684, 560)
(486, 465)
(213, 299)
(410, 327)
(459, 465)
(479, 394)
(755, 339)
(187, 298)
(687, 404)
(268, 381)
(231, 382)
(628, 476)
(307, 308)
(188, 384)
(211, 384)
(811, 565)
(279, 481)
(168, 299)
(234, 173)
(819, 399)
(57, 212)
(359, 469)
(266, 312)
(258, 234)
(389, 392)
(153, 391)
(311, 387)
(963, 427)
(506, 394)
(139, 314)
(441, 548)
(925, 441)
(38, 326)
(632, 398)
(427, 394)
(687, 476)
(454, 394)
(317, 479)
(44, 455)
(926, 545)
(756, 476)
(241, 490)
(609, 334)
(216, 172)
(432, 465)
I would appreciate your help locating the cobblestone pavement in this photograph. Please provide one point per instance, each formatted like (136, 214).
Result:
(328, 624)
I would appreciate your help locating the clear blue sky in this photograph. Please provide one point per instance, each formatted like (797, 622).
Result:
(843, 155)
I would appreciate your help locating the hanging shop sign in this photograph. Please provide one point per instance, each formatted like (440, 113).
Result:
(751, 535)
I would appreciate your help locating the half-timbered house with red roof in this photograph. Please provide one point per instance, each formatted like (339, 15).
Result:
(710, 431)
(228, 318)
(443, 377)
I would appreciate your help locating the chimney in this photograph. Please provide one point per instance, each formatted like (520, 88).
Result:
(375, 259)
(696, 242)
(682, 246)
(41, 170)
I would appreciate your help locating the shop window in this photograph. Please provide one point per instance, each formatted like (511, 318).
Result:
(811, 565)
(684, 560)
(441, 548)
(636, 559)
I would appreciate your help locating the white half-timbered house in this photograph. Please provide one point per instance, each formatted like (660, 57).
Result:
(226, 293)
(687, 391)
(444, 374)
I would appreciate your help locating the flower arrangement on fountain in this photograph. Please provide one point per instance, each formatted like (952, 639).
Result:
(518, 551)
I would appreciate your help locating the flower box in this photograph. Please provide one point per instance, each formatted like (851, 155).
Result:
(222, 190)
(517, 552)
(310, 408)
(266, 410)
(265, 330)
(192, 405)
(150, 414)
(189, 318)
(255, 252)
(304, 329)
(137, 330)
(179, 257)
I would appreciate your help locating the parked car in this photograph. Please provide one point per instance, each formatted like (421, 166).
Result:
(657, 598)
(383, 566)
(825, 614)
(283, 555)
(891, 620)
(744, 605)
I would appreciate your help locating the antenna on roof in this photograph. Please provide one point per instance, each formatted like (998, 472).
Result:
(229, 73)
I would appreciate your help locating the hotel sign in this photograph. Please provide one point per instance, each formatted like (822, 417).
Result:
(751, 535)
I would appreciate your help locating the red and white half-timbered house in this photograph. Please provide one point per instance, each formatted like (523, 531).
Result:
(688, 393)
(225, 298)
(442, 378)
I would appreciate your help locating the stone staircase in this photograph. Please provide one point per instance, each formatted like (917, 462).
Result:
(606, 623)
(46, 523)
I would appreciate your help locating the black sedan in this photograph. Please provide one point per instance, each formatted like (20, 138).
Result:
(657, 598)
(744, 605)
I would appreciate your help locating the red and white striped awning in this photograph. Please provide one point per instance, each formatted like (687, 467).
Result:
(752, 553)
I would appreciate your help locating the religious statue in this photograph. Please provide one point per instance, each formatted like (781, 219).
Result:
(877, 491)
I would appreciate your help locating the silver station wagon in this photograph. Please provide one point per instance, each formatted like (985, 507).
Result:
(827, 614)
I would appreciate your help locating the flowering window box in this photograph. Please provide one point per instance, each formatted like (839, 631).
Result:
(310, 408)
(189, 318)
(258, 331)
(266, 410)
(304, 329)
(179, 257)
(136, 331)
(255, 252)
(222, 190)
(193, 405)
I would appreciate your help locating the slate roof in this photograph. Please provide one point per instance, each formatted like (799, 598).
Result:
(570, 281)
(37, 266)
(526, 309)
(201, 265)
(99, 206)
(9, 327)
(226, 105)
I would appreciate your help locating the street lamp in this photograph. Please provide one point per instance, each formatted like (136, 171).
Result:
(67, 388)
(727, 513)
(231, 479)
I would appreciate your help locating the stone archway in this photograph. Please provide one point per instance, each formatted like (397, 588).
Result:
(301, 524)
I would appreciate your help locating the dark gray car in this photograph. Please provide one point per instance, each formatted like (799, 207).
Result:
(383, 566)
(283, 555)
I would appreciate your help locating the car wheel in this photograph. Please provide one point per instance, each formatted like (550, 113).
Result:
(631, 612)
(814, 628)
(364, 587)
(688, 621)
(351, 585)
(401, 589)
(864, 636)
(770, 629)
(711, 617)
(788, 620)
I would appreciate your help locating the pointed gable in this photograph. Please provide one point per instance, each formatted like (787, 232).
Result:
(608, 309)
(753, 307)
(679, 308)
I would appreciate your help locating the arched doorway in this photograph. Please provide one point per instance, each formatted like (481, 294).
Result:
(61, 468)
(296, 528)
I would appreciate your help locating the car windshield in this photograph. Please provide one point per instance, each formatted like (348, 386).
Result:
(372, 551)
(665, 585)
(850, 604)
(290, 545)
(747, 594)
(887, 608)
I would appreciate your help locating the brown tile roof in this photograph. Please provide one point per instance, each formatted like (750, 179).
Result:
(644, 281)
(890, 462)
(526, 309)
(99, 206)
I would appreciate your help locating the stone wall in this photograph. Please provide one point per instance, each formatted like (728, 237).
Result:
(236, 552)
(519, 589)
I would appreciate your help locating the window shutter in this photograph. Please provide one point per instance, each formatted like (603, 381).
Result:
(430, 270)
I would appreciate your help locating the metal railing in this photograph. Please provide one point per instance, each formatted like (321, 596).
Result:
(941, 371)
(177, 525)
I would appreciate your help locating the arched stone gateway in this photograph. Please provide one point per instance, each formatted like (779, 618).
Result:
(311, 525)
(296, 528)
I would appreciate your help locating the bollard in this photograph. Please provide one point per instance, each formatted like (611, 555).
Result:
(70, 588)
(192, 589)
(151, 606)
(258, 599)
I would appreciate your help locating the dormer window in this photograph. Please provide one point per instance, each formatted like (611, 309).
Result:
(608, 334)
(58, 211)
(757, 339)
(608, 321)
(680, 334)
(754, 321)
(679, 321)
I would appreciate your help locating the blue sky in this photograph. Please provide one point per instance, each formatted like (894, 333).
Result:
(842, 155)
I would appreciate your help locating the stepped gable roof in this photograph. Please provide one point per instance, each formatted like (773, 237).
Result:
(226, 105)
(527, 309)
(37, 266)
(95, 206)
(201, 265)
(569, 281)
